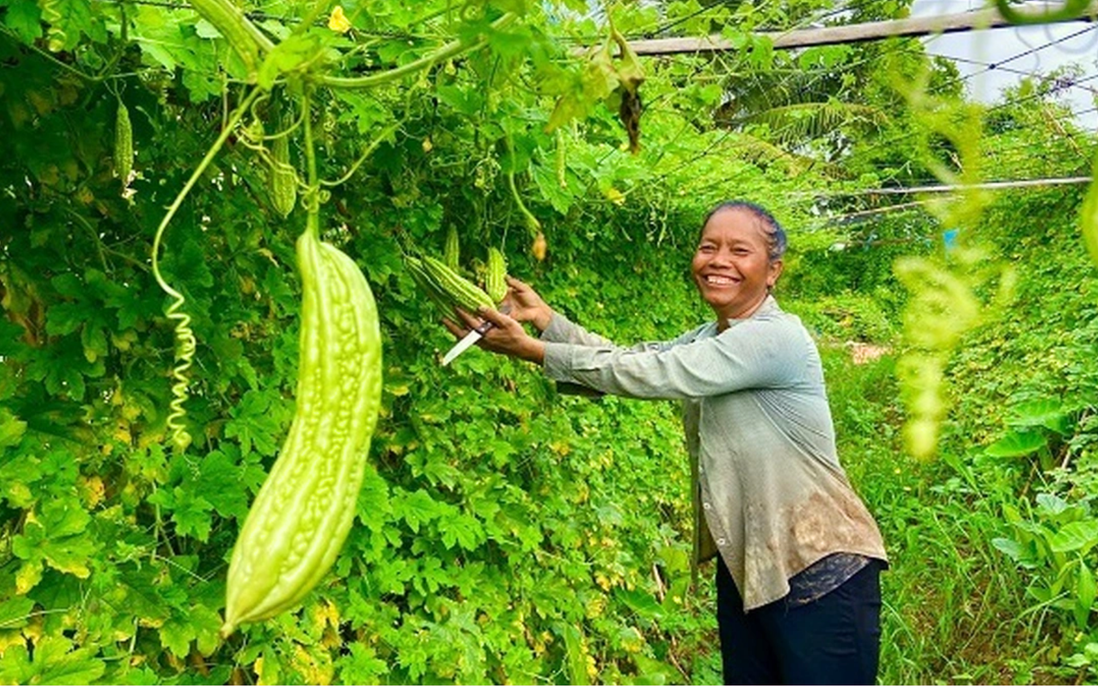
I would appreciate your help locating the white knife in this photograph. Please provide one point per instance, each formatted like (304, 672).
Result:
(470, 338)
(464, 344)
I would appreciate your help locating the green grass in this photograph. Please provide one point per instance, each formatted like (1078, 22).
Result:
(955, 608)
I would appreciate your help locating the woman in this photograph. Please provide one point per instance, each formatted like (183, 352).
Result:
(798, 555)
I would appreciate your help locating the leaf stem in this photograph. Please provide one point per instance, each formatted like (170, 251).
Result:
(365, 154)
(451, 49)
(312, 193)
(234, 119)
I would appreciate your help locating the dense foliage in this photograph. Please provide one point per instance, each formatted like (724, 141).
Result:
(507, 532)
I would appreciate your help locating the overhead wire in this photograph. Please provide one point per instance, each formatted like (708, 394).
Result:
(960, 79)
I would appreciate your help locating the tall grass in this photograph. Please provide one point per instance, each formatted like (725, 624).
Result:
(955, 609)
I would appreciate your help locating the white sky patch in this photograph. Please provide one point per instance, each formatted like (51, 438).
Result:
(1025, 49)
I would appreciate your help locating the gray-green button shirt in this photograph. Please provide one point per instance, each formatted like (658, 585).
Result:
(769, 493)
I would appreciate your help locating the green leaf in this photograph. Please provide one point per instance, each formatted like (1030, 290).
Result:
(361, 665)
(257, 423)
(417, 508)
(227, 485)
(190, 511)
(1009, 547)
(640, 601)
(288, 54)
(192, 514)
(1051, 505)
(24, 19)
(463, 530)
(575, 662)
(1018, 443)
(189, 266)
(15, 665)
(1049, 413)
(68, 20)
(64, 318)
(1085, 592)
(11, 429)
(1080, 536)
(15, 612)
(54, 662)
(199, 623)
(467, 101)
(652, 671)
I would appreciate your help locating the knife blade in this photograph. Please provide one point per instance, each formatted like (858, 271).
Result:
(465, 343)
(470, 339)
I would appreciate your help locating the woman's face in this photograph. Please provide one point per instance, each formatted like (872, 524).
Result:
(732, 267)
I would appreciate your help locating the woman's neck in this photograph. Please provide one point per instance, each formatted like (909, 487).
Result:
(724, 322)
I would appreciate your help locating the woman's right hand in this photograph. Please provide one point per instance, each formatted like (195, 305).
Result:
(527, 305)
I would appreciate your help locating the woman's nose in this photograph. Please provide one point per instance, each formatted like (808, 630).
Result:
(721, 256)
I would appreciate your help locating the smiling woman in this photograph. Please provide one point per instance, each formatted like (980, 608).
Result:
(738, 259)
(798, 554)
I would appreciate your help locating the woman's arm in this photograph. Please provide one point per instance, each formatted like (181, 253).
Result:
(759, 353)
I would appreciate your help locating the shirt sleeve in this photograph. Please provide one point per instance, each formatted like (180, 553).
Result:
(757, 353)
(563, 330)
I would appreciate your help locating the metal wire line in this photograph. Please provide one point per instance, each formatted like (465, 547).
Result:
(958, 80)
(1025, 53)
(998, 67)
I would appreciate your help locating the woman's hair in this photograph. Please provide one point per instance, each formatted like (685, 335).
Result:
(775, 234)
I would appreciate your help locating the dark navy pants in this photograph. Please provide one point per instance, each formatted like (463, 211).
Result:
(834, 639)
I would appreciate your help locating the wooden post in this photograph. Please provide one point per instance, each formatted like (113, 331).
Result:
(853, 33)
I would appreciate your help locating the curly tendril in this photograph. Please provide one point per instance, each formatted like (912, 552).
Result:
(184, 356)
(184, 336)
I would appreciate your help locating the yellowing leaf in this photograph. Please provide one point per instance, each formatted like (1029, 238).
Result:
(326, 614)
(28, 576)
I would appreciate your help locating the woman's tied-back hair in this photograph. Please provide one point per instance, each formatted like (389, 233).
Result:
(775, 234)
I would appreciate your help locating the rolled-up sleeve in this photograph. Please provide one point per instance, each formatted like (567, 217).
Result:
(752, 354)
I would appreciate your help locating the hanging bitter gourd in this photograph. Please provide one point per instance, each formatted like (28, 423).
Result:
(495, 279)
(461, 291)
(436, 295)
(123, 143)
(451, 251)
(305, 508)
(283, 179)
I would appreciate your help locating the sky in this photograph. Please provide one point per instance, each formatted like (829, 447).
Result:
(1018, 49)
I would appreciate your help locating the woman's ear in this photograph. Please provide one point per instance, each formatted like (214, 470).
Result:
(774, 273)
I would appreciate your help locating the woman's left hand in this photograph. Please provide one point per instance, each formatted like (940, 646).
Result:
(506, 335)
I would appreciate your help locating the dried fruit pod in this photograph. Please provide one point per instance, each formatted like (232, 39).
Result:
(305, 508)
(123, 144)
(540, 247)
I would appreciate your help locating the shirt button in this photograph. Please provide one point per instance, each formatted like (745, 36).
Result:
(721, 541)
(707, 506)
